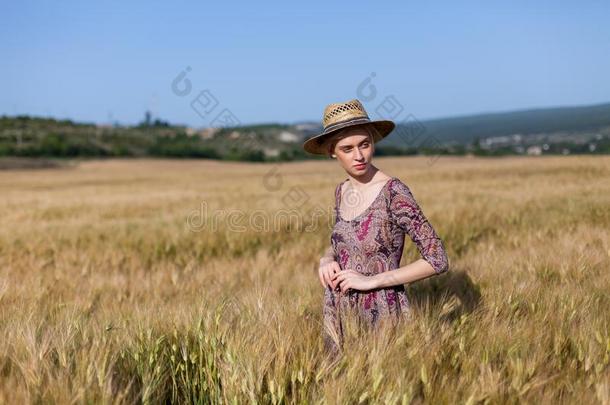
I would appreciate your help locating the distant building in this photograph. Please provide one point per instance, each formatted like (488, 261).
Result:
(271, 152)
(501, 141)
(534, 150)
(286, 136)
(208, 133)
(309, 128)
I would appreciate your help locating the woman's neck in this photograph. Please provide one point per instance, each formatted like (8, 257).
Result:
(371, 176)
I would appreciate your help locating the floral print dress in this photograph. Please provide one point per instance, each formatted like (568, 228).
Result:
(372, 243)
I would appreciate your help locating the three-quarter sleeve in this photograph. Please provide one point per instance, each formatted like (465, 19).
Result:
(406, 213)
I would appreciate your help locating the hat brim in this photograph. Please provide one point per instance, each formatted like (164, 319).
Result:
(315, 144)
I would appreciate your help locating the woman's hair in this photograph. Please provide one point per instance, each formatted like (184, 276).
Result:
(332, 141)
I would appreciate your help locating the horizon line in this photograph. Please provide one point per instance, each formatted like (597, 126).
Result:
(311, 121)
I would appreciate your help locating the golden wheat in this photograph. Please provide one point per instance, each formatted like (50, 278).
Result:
(112, 291)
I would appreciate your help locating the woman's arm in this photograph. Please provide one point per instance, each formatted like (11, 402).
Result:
(405, 213)
(329, 256)
(410, 273)
(328, 268)
(417, 270)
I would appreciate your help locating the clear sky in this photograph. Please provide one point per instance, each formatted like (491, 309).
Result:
(284, 61)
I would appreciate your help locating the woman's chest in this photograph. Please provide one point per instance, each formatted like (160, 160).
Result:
(371, 232)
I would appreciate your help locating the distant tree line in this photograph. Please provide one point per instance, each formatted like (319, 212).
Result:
(40, 137)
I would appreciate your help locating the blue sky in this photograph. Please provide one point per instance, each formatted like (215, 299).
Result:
(284, 61)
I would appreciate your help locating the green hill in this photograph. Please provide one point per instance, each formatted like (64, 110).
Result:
(552, 130)
(465, 129)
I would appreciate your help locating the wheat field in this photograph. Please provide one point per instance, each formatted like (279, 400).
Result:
(113, 288)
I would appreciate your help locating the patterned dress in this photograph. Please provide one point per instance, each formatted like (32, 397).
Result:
(372, 243)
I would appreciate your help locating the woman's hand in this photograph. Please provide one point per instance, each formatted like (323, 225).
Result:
(326, 271)
(347, 279)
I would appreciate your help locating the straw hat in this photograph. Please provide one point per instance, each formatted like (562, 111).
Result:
(338, 116)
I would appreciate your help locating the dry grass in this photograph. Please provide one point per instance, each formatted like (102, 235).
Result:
(107, 296)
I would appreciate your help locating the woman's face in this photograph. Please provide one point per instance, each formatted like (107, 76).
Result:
(355, 150)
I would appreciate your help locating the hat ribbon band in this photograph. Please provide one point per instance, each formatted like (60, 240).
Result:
(351, 120)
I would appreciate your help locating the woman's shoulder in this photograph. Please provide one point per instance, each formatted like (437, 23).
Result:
(339, 188)
(397, 186)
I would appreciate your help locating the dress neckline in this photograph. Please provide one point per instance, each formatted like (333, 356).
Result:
(367, 208)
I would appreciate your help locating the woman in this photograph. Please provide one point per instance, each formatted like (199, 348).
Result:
(373, 212)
